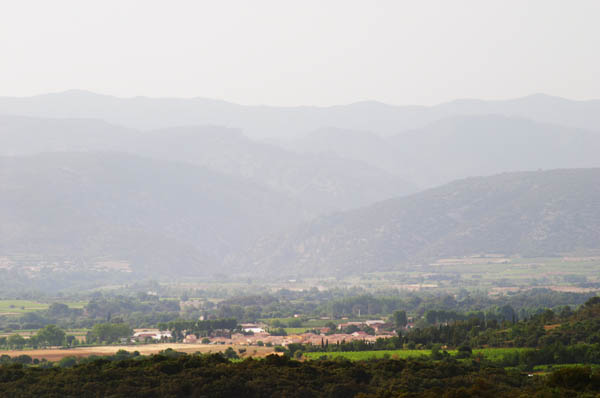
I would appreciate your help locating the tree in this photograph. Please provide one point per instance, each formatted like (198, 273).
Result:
(276, 323)
(23, 359)
(351, 329)
(16, 341)
(230, 353)
(109, 332)
(435, 352)
(507, 312)
(71, 340)
(58, 309)
(67, 362)
(464, 351)
(278, 332)
(51, 335)
(400, 319)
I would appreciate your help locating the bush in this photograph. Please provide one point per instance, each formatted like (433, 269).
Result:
(23, 359)
(230, 353)
(464, 351)
(67, 362)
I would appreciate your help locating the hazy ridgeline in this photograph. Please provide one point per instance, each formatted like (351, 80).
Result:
(194, 187)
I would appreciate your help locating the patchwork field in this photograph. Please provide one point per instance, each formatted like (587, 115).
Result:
(16, 307)
(9, 307)
(498, 275)
(365, 355)
(489, 353)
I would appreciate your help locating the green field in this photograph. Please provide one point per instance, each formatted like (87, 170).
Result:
(295, 330)
(549, 368)
(20, 306)
(487, 272)
(494, 354)
(8, 307)
(31, 332)
(364, 355)
(76, 304)
(489, 353)
(306, 324)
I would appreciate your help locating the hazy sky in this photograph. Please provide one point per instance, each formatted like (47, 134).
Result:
(302, 52)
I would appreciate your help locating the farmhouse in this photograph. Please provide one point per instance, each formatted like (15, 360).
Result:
(252, 327)
(151, 334)
(190, 339)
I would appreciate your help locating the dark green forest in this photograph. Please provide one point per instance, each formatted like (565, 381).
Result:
(279, 376)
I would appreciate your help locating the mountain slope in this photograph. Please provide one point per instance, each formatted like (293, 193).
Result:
(321, 182)
(462, 146)
(467, 146)
(527, 213)
(161, 218)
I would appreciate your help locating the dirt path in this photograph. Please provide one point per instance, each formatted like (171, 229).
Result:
(56, 354)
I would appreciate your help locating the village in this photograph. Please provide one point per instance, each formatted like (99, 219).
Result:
(259, 334)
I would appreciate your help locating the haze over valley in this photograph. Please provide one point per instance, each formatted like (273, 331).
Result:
(300, 199)
(190, 187)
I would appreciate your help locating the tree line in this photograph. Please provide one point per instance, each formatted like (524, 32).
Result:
(181, 375)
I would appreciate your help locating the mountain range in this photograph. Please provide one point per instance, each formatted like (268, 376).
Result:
(290, 122)
(461, 146)
(197, 186)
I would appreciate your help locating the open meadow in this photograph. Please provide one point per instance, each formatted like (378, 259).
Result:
(17, 307)
(492, 354)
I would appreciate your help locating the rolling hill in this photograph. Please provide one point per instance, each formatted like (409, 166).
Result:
(89, 210)
(525, 213)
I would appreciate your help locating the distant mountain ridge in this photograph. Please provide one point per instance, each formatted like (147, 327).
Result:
(527, 213)
(461, 146)
(285, 122)
(322, 183)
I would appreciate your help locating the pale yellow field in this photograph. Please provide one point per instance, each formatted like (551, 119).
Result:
(55, 354)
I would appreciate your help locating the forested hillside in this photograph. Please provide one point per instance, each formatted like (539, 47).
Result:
(178, 375)
(528, 214)
(118, 212)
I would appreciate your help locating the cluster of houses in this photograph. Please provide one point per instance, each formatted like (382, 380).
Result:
(257, 334)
